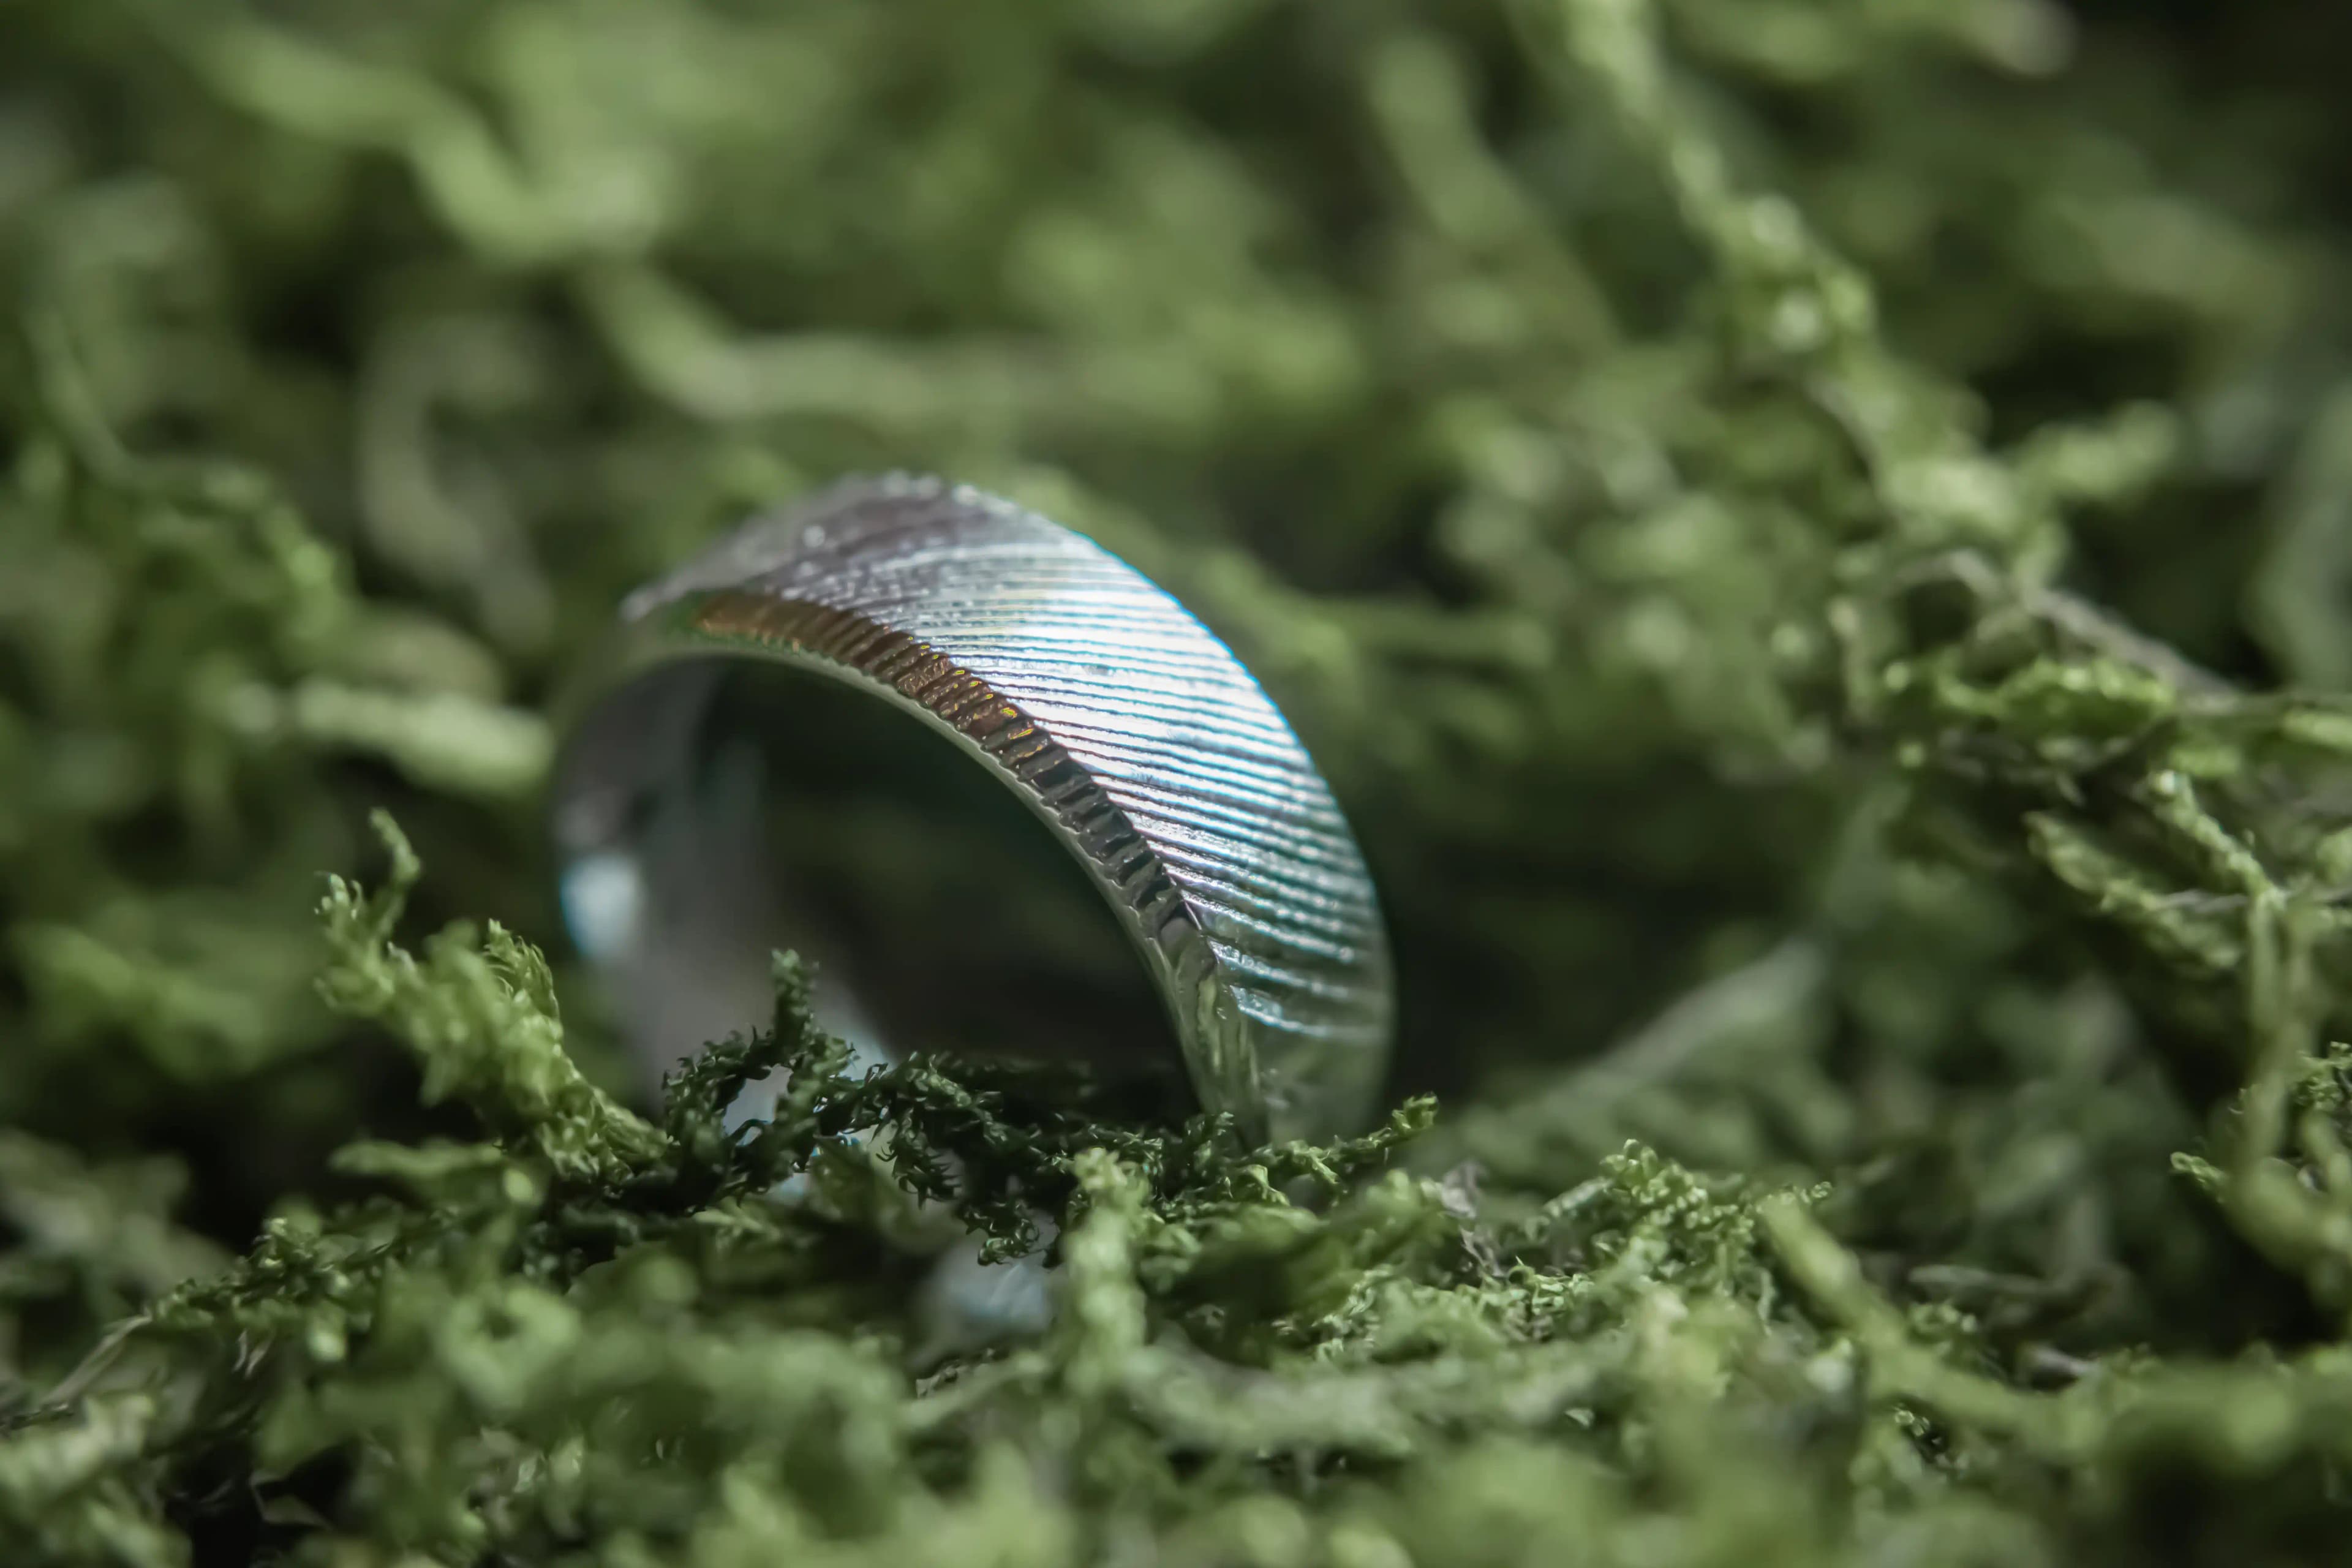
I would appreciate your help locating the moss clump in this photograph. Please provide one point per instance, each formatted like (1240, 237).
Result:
(1811, 540)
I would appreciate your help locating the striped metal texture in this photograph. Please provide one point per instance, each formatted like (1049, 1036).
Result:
(1118, 718)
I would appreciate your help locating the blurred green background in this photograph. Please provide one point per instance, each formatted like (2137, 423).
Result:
(1748, 502)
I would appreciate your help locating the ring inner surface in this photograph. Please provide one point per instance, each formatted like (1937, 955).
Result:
(735, 807)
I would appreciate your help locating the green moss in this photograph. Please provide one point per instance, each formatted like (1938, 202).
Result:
(1809, 538)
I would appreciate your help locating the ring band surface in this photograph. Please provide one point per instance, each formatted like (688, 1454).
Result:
(1154, 757)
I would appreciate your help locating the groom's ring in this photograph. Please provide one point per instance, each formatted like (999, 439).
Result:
(1151, 755)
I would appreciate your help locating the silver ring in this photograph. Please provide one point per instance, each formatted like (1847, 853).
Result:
(1153, 758)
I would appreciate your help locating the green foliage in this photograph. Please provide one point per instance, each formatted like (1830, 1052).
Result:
(480, 1016)
(1810, 538)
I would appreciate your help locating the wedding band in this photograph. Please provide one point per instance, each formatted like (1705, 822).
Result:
(1150, 754)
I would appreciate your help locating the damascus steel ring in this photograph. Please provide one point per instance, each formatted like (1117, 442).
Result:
(870, 697)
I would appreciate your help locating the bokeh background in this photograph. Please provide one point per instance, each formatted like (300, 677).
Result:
(1593, 419)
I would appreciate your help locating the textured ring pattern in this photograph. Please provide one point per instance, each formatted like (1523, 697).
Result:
(1120, 719)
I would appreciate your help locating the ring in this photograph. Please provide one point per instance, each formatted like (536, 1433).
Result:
(739, 774)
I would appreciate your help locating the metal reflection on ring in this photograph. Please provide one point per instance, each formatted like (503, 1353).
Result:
(1123, 725)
